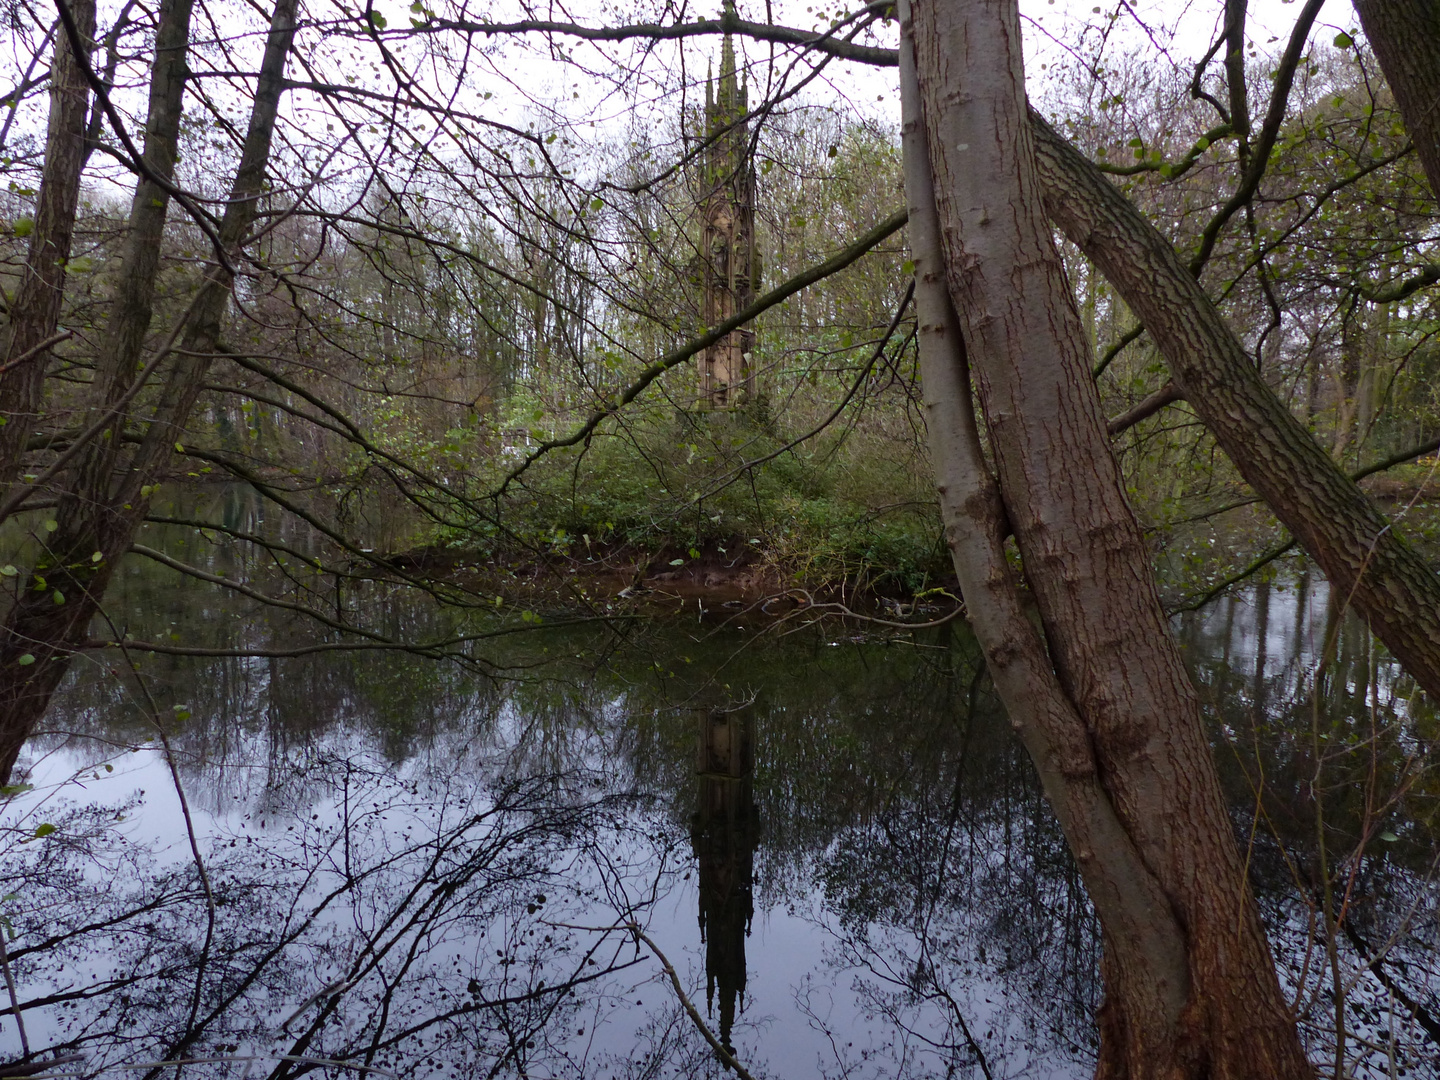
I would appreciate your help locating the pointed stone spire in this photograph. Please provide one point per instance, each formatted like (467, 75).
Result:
(729, 270)
(727, 94)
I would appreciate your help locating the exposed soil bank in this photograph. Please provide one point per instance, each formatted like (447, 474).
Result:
(732, 573)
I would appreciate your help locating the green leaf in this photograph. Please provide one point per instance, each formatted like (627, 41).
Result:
(1388, 836)
(179, 448)
(8, 570)
(44, 830)
(6, 792)
(1202, 143)
(26, 660)
(376, 19)
(1137, 141)
(677, 562)
(58, 597)
(97, 556)
(51, 525)
(907, 267)
(24, 226)
(1343, 40)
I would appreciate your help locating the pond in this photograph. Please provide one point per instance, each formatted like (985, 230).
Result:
(821, 839)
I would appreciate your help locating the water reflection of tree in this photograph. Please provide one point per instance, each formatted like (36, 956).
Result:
(1348, 761)
(723, 834)
(889, 785)
(404, 917)
(958, 902)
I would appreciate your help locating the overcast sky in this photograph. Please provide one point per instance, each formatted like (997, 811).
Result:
(592, 102)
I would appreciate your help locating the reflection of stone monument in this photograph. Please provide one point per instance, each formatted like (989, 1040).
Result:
(723, 833)
(730, 270)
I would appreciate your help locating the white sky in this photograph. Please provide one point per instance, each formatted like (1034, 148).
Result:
(524, 80)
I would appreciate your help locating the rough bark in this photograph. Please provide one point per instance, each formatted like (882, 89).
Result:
(35, 312)
(1385, 580)
(1144, 942)
(1359, 550)
(1088, 569)
(133, 305)
(1405, 35)
(99, 514)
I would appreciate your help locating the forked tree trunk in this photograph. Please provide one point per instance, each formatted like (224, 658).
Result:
(1144, 944)
(1113, 699)
(108, 497)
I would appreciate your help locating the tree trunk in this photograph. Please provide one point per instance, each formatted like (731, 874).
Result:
(1363, 555)
(1347, 380)
(1405, 35)
(1144, 941)
(133, 305)
(1088, 571)
(98, 516)
(35, 312)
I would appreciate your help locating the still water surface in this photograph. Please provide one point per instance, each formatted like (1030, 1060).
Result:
(831, 838)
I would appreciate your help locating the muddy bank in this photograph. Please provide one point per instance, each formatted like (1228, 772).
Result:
(726, 574)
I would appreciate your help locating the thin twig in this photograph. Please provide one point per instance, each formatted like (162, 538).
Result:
(299, 1059)
(37, 1068)
(36, 350)
(1260, 562)
(724, 1055)
(1116, 349)
(875, 357)
(106, 416)
(14, 997)
(204, 874)
(834, 264)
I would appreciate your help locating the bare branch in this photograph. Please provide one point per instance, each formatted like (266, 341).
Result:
(729, 23)
(832, 265)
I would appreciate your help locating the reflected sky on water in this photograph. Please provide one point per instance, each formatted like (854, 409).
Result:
(831, 838)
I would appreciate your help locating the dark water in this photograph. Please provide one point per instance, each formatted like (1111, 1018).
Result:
(428, 868)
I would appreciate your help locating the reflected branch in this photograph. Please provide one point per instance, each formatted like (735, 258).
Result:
(720, 1052)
